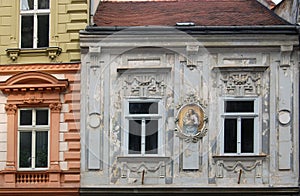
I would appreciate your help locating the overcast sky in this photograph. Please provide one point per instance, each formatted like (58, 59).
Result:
(276, 1)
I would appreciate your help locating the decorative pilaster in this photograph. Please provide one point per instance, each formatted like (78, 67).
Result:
(54, 135)
(285, 109)
(11, 110)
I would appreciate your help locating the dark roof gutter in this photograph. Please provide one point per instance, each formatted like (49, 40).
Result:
(195, 30)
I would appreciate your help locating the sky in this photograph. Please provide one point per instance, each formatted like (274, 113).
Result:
(276, 1)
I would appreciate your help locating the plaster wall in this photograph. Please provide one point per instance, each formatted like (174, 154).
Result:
(66, 19)
(288, 10)
(192, 71)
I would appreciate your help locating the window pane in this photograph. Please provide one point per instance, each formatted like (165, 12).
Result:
(43, 31)
(239, 106)
(151, 136)
(27, 32)
(41, 151)
(143, 108)
(41, 117)
(230, 136)
(27, 5)
(43, 4)
(25, 150)
(135, 130)
(25, 117)
(247, 136)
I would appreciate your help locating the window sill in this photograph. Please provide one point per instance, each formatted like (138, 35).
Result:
(132, 70)
(240, 157)
(135, 159)
(51, 52)
(238, 68)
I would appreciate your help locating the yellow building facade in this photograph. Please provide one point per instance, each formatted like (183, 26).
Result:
(66, 18)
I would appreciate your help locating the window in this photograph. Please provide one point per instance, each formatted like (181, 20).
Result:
(143, 134)
(240, 126)
(34, 23)
(33, 134)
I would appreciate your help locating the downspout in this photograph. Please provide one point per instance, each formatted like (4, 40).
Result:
(298, 30)
(297, 12)
(91, 20)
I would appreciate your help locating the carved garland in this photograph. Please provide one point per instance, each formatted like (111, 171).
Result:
(256, 165)
(160, 166)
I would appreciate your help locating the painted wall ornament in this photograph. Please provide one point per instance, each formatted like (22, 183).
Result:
(191, 120)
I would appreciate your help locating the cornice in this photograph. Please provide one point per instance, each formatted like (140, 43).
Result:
(33, 81)
(49, 68)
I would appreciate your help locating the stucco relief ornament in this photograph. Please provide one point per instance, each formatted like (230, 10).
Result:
(191, 120)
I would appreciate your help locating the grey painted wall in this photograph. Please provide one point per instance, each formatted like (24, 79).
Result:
(180, 70)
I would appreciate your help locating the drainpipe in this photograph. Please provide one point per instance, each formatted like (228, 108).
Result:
(91, 5)
(91, 10)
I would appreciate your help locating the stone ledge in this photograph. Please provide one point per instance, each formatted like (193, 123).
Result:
(14, 53)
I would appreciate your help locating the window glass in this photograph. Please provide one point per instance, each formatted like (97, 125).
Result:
(151, 137)
(239, 106)
(27, 32)
(43, 4)
(240, 118)
(41, 117)
(230, 136)
(143, 108)
(25, 117)
(41, 152)
(135, 130)
(43, 30)
(33, 138)
(25, 149)
(27, 4)
(247, 136)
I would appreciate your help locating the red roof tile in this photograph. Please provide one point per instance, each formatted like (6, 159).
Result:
(200, 12)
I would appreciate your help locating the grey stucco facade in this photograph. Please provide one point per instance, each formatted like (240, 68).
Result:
(289, 10)
(204, 69)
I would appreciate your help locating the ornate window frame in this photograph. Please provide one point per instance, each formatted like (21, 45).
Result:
(32, 89)
(158, 116)
(239, 116)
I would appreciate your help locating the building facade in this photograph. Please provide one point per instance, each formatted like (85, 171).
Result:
(289, 10)
(197, 101)
(40, 96)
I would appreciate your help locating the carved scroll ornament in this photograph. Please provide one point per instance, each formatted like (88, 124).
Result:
(144, 86)
(241, 83)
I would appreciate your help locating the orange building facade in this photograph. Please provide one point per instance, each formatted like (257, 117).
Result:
(50, 95)
(40, 96)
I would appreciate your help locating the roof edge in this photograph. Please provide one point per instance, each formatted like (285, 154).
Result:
(273, 13)
(272, 29)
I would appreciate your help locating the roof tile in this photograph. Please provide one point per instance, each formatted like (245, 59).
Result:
(200, 12)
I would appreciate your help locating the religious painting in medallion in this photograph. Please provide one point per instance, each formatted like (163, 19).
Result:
(191, 121)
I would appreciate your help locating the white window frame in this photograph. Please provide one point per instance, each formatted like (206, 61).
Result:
(127, 117)
(33, 129)
(35, 12)
(239, 116)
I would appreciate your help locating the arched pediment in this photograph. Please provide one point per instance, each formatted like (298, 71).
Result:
(31, 81)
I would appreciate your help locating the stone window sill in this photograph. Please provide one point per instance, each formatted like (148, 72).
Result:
(51, 52)
(148, 70)
(138, 159)
(240, 157)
